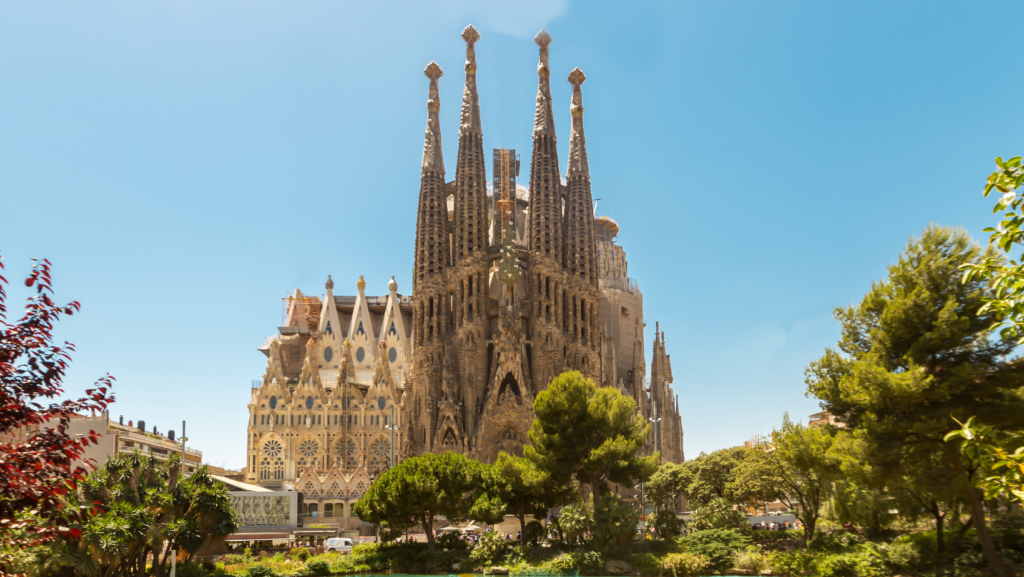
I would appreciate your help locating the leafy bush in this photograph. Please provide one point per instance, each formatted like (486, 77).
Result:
(645, 563)
(836, 542)
(589, 562)
(717, 545)
(718, 514)
(535, 532)
(837, 565)
(684, 565)
(614, 524)
(582, 562)
(451, 541)
(1008, 533)
(300, 553)
(318, 568)
(491, 550)
(776, 538)
(790, 563)
(916, 551)
(563, 564)
(575, 520)
(667, 524)
(260, 571)
(750, 559)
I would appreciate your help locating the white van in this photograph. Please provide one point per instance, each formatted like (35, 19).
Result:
(338, 544)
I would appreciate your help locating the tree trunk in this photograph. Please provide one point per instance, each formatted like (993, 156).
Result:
(522, 523)
(427, 521)
(809, 523)
(940, 546)
(995, 562)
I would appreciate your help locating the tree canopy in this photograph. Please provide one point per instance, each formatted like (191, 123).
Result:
(38, 474)
(589, 434)
(917, 349)
(420, 488)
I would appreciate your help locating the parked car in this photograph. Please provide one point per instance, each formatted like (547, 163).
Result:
(338, 544)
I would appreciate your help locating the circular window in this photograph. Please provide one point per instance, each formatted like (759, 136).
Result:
(273, 402)
(393, 354)
(328, 354)
(380, 448)
(308, 448)
(381, 402)
(360, 354)
(309, 402)
(272, 448)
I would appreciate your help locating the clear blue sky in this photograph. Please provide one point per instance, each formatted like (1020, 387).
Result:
(186, 163)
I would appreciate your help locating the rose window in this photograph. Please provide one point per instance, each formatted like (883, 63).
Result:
(308, 448)
(272, 448)
(346, 448)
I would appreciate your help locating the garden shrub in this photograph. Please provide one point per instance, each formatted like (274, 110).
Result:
(575, 520)
(646, 563)
(1008, 533)
(916, 551)
(318, 568)
(717, 545)
(836, 565)
(614, 524)
(451, 541)
(790, 563)
(750, 559)
(563, 564)
(589, 562)
(581, 562)
(535, 532)
(667, 524)
(863, 563)
(836, 542)
(260, 571)
(300, 553)
(491, 550)
(685, 565)
(718, 514)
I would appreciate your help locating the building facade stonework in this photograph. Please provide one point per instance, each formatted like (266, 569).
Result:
(512, 285)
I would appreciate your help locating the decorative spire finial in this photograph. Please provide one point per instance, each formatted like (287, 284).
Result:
(432, 158)
(544, 119)
(329, 284)
(361, 284)
(578, 163)
(392, 284)
(470, 101)
(543, 39)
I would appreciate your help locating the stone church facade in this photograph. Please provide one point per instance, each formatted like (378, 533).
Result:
(512, 285)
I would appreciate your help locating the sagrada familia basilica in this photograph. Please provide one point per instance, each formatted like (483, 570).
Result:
(512, 285)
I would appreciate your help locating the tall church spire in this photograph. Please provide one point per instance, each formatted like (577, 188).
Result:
(544, 119)
(580, 243)
(470, 100)
(432, 158)
(470, 236)
(545, 181)
(577, 141)
(432, 221)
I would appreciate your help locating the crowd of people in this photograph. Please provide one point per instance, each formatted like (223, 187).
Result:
(777, 526)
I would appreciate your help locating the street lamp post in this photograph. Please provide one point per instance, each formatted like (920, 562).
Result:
(656, 420)
(391, 426)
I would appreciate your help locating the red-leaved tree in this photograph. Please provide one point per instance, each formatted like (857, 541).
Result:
(37, 473)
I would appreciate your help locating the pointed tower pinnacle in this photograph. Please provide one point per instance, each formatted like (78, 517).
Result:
(470, 100)
(577, 141)
(432, 159)
(544, 119)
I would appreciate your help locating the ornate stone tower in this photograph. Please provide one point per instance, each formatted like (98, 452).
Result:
(468, 275)
(431, 312)
(583, 338)
(545, 233)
